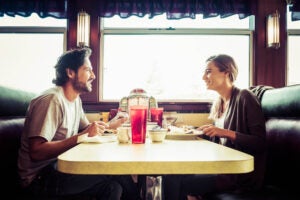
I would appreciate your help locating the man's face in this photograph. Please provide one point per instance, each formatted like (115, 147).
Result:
(84, 77)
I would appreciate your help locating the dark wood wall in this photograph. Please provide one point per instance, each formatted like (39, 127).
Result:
(269, 65)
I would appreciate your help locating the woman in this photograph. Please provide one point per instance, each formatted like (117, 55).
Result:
(238, 123)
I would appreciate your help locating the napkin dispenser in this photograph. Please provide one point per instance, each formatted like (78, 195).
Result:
(137, 96)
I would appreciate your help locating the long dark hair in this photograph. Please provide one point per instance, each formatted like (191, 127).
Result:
(71, 59)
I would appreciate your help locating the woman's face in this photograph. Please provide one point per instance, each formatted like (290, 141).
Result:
(214, 79)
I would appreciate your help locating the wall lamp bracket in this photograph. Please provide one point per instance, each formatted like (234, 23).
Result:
(273, 30)
(83, 29)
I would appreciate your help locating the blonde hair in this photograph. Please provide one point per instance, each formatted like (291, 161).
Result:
(227, 64)
(216, 109)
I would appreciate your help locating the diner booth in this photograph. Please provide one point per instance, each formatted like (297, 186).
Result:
(268, 58)
(269, 61)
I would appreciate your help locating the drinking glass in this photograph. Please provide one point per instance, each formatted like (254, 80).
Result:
(157, 115)
(138, 119)
(170, 118)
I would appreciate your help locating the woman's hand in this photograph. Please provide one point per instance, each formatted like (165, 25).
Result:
(118, 120)
(114, 124)
(211, 131)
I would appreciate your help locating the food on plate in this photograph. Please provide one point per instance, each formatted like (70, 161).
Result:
(185, 129)
(110, 131)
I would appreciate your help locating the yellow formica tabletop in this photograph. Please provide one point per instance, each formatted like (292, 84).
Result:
(169, 157)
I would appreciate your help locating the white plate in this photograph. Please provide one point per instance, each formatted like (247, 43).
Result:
(184, 136)
(100, 139)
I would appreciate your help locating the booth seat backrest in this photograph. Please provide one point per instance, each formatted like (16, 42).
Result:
(13, 106)
(14, 102)
(281, 107)
(10, 135)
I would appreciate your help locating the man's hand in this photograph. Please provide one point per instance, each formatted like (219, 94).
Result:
(96, 128)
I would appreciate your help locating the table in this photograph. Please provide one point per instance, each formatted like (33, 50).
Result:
(169, 157)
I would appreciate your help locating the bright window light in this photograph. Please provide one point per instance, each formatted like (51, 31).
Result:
(29, 51)
(169, 63)
(293, 69)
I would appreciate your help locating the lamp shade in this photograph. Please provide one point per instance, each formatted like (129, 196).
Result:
(83, 29)
(273, 30)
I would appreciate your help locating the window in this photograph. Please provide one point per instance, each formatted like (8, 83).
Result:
(30, 47)
(293, 64)
(167, 57)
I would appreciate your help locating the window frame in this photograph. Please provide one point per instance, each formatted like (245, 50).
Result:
(36, 30)
(290, 32)
(173, 31)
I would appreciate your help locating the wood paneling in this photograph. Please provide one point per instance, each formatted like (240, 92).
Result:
(269, 63)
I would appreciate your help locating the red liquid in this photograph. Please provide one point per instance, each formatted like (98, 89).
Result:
(138, 119)
(157, 115)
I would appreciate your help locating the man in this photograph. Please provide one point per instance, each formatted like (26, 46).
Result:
(56, 122)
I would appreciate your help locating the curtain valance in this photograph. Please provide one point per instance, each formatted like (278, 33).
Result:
(44, 8)
(295, 9)
(174, 9)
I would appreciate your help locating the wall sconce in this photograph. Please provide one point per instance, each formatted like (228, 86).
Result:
(273, 30)
(83, 29)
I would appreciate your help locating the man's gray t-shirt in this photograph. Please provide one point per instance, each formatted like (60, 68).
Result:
(52, 117)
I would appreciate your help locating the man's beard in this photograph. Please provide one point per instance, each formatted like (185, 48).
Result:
(80, 86)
